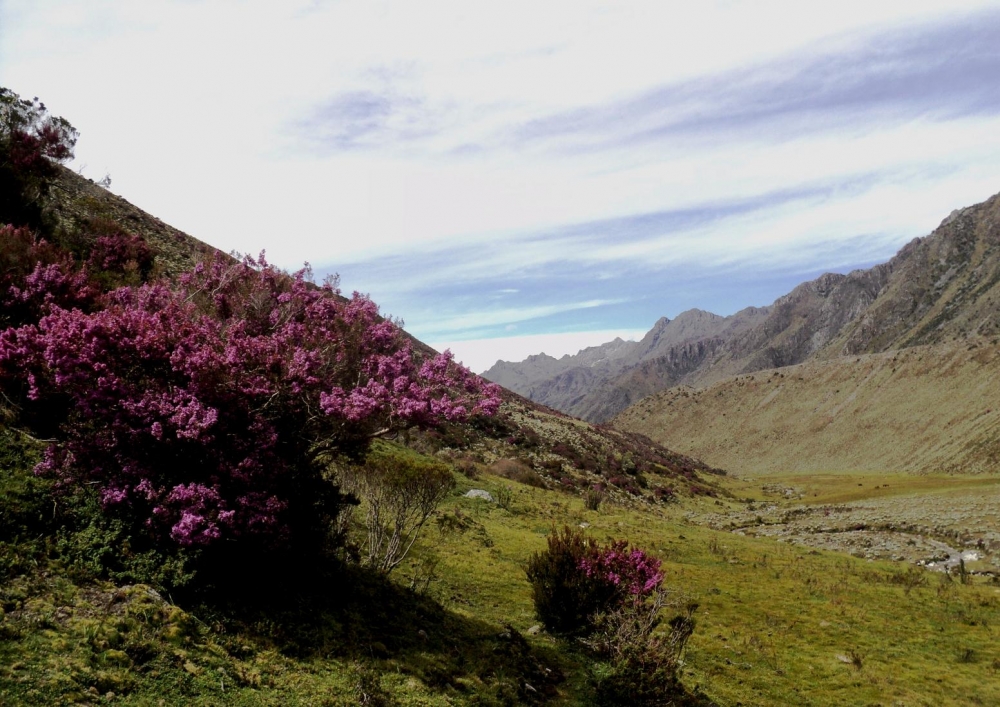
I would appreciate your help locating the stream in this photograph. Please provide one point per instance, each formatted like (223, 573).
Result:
(954, 557)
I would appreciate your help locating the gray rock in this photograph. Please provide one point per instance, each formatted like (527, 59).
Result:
(480, 493)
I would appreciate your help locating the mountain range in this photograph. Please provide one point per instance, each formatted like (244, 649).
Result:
(939, 288)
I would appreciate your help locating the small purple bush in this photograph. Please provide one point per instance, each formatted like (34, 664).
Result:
(630, 572)
(576, 579)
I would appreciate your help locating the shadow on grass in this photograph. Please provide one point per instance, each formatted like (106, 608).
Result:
(328, 609)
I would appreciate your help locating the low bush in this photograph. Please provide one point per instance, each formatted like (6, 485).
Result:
(399, 491)
(611, 598)
(525, 438)
(467, 467)
(666, 495)
(625, 484)
(516, 470)
(553, 465)
(640, 664)
(118, 259)
(565, 598)
(575, 579)
(504, 497)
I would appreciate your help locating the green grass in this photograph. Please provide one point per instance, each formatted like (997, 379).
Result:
(775, 621)
(776, 624)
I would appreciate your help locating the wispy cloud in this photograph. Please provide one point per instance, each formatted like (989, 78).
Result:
(606, 248)
(450, 323)
(938, 71)
(367, 119)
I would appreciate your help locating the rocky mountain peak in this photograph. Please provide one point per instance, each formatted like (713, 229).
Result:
(536, 358)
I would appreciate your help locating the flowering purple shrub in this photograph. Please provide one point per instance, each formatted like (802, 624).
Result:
(575, 579)
(631, 572)
(121, 258)
(210, 411)
(35, 276)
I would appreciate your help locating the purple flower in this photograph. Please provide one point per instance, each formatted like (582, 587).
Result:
(630, 571)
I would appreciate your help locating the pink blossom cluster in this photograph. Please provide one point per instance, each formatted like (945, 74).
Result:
(35, 276)
(115, 251)
(629, 571)
(209, 409)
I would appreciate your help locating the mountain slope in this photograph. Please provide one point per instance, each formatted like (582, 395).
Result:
(922, 409)
(76, 205)
(942, 287)
(900, 369)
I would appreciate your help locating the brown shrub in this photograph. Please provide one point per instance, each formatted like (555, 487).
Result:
(516, 470)
(468, 467)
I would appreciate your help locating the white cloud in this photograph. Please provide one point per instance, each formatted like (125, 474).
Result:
(448, 324)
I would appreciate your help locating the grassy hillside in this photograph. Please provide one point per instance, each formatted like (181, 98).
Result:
(95, 608)
(777, 624)
(922, 409)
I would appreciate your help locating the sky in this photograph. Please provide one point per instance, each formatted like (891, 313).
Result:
(516, 177)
